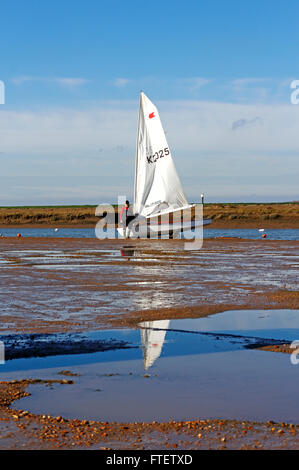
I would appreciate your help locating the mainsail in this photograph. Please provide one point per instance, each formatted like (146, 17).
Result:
(152, 340)
(157, 185)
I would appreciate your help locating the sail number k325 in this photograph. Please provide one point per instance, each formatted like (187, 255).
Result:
(159, 154)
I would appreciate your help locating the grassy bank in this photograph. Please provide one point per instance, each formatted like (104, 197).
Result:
(230, 215)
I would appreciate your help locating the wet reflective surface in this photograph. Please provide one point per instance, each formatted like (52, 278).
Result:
(180, 369)
(71, 283)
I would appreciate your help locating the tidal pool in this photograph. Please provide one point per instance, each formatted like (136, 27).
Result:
(174, 370)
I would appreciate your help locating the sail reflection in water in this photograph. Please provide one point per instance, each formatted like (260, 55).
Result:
(152, 337)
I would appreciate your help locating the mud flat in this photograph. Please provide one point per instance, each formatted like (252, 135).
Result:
(77, 286)
(57, 285)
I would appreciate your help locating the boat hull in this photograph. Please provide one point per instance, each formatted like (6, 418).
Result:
(155, 230)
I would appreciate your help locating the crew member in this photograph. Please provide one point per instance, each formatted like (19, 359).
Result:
(126, 216)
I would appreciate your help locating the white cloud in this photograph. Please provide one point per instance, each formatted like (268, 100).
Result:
(71, 82)
(190, 125)
(121, 82)
(208, 153)
(22, 79)
(258, 89)
(65, 81)
(193, 83)
(242, 82)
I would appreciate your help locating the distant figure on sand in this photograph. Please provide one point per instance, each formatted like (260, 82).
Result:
(126, 216)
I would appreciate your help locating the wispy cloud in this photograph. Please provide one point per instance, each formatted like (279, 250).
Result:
(193, 83)
(71, 82)
(256, 89)
(191, 126)
(121, 82)
(244, 82)
(22, 79)
(64, 81)
(76, 143)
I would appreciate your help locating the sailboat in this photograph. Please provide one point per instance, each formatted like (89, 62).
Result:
(159, 199)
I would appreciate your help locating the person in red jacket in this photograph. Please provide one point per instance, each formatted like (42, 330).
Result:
(126, 216)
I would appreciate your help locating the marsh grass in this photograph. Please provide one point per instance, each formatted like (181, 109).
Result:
(228, 214)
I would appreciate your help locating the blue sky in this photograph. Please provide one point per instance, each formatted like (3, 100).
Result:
(219, 72)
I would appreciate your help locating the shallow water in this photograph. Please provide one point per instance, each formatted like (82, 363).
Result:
(273, 234)
(83, 281)
(181, 369)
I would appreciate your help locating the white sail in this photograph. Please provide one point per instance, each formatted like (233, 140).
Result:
(157, 185)
(152, 340)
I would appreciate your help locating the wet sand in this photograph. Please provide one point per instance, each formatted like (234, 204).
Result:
(23, 430)
(72, 285)
(51, 285)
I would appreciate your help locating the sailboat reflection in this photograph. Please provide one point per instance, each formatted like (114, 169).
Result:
(152, 337)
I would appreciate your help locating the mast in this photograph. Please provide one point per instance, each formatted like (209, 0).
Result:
(136, 157)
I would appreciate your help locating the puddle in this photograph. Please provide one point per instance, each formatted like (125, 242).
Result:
(178, 369)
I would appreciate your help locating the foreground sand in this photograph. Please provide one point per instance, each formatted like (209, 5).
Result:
(23, 430)
(53, 285)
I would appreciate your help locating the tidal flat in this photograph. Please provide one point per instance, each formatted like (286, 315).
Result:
(78, 306)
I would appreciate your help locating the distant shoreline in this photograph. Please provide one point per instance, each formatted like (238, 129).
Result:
(224, 216)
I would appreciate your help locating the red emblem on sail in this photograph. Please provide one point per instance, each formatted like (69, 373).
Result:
(152, 115)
